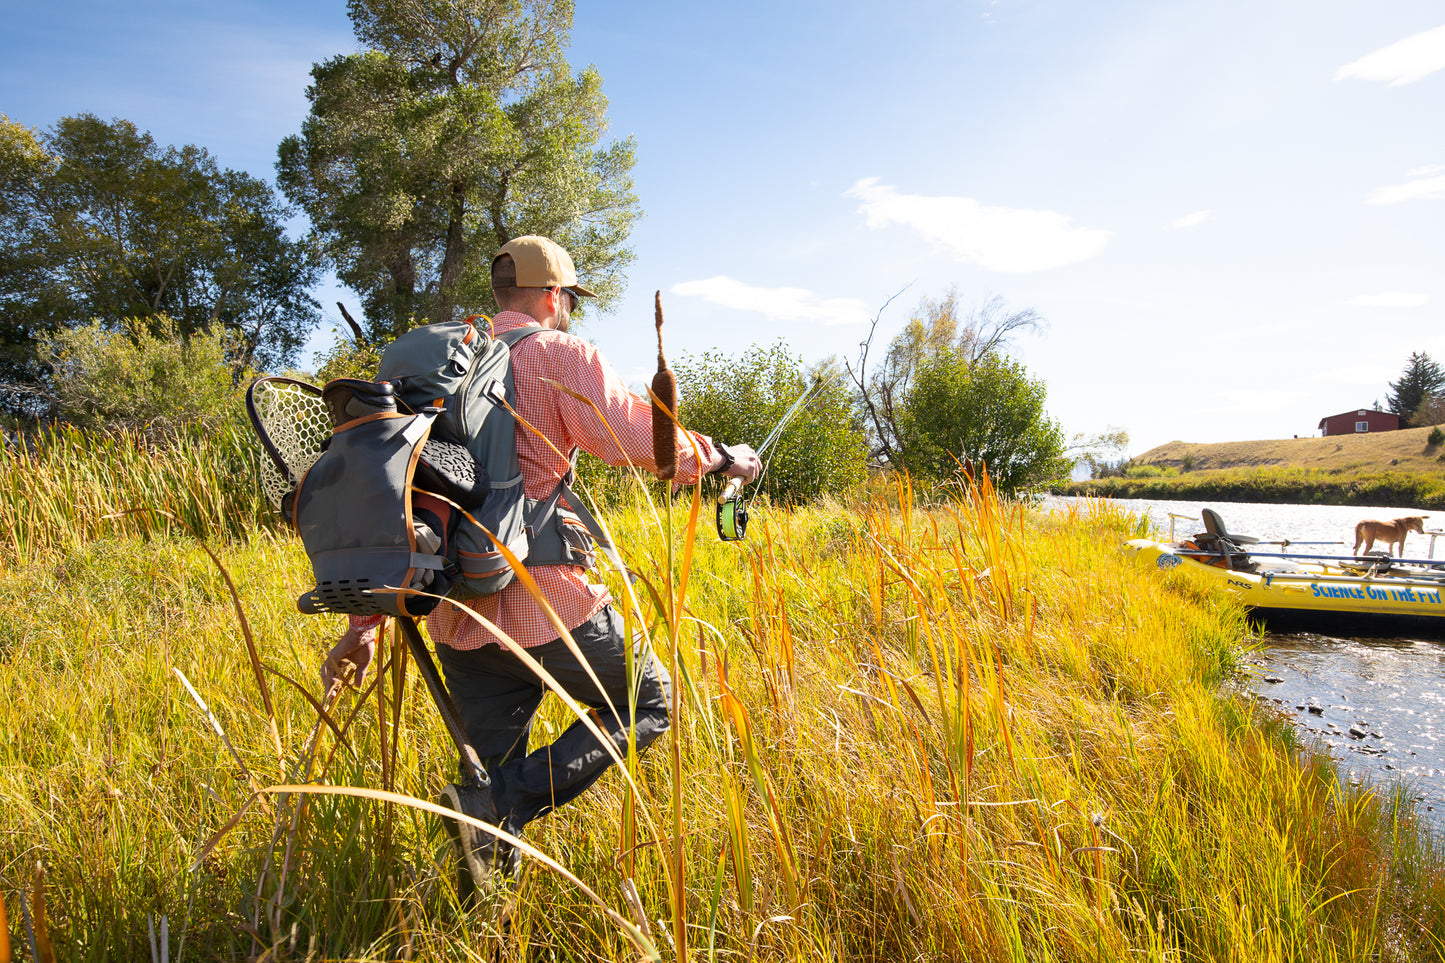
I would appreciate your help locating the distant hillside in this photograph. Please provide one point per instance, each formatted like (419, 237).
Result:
(1407, 450)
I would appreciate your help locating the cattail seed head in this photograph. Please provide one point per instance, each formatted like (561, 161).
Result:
(664, 390)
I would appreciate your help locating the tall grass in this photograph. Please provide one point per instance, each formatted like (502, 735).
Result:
(959, 731)
(65, 486)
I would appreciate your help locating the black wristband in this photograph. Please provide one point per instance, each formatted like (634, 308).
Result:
(728, 459)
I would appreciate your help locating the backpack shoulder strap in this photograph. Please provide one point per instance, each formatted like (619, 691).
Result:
(515, 336)
(545, 508)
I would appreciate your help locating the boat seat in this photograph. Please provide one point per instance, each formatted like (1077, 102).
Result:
(1216, 538)
(1214, 525)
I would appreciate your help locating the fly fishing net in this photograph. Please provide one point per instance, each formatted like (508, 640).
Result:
(292, 423)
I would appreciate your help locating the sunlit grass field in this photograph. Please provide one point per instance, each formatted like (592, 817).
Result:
(961, 730)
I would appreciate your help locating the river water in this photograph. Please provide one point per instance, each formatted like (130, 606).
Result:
(1377, 704)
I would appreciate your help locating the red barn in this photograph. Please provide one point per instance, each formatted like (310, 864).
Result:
(1359, 420)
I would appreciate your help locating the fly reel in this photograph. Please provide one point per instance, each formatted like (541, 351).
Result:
(732, 507)
(732, 512)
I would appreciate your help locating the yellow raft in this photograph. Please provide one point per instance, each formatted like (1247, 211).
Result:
(1315, 586)
(1350, 594)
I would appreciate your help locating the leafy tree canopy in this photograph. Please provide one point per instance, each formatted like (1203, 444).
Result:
(1431, 411)
(460, 128)
(738, 400)
(1421, 378)
(989, 411)
(936, 328)
(99, 223)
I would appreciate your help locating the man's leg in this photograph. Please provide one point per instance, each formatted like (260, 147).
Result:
(496, 697)
(532, 785)
(496, 706)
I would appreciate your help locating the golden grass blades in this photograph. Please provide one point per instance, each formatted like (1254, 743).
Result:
(634, 933)
(5, 954)
(951, 730)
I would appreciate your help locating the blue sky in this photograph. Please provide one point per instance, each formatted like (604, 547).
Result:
(1230, 214)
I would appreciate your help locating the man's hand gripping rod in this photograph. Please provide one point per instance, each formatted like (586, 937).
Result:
(732, 508)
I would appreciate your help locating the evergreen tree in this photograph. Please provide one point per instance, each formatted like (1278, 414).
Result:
(459, 128)
(1422, 377)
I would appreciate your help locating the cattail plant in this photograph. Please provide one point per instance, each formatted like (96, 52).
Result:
(664, 407)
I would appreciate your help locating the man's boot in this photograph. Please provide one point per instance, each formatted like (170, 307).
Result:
(484, 859)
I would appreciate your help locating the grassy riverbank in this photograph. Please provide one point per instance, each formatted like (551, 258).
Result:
(1394, 469)
(966, 731)
(1275, 486)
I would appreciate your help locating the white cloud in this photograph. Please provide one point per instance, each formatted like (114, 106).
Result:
(777, 304)
(1002, 239)
(1193, 220)
(1428, 184)
(1390, 299)
(1403, 62)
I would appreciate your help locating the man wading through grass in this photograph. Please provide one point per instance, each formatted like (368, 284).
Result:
(535, 283)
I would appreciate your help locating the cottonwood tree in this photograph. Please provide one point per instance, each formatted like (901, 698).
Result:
(100, 223)
(460, 127)
(1102, 454)
(1422, 377)
(988, 410)
(1430, 411)
(938, 331)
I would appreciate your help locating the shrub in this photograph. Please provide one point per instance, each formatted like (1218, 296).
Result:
(740, 400)
(1436, 437)
(348, 358)
(1150, 471)
(144, 376)
(989, 411)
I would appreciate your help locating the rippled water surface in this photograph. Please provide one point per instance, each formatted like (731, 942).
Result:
(1378, 704)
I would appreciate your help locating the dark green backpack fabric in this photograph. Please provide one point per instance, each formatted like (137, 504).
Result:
(468, 374)
(367, 471)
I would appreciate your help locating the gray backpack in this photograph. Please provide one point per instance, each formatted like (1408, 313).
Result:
(367, 519)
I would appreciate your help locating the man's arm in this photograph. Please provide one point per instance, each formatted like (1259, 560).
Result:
(583, 371)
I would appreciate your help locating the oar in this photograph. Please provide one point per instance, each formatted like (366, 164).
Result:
(1360, 559)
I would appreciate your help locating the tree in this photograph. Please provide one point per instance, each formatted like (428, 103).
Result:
(989, 411)
(460, 128)
(740, 400)
(1421, 377)
(1102, 454)
(98, 222)
(934, 330)
(1430, 411)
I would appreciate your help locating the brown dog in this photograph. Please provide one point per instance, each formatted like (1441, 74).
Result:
(1372, 529)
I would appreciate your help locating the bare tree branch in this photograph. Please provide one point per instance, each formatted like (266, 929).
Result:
(860, 379)
(355, 328)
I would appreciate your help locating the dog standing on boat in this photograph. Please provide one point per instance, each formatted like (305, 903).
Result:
(1372, 530)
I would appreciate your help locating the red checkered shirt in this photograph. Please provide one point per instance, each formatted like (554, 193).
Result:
(540, 363)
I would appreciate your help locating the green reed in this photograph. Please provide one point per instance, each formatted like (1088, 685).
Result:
(1279, 485)
(67, 487)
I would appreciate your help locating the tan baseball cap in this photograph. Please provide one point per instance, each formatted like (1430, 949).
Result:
(541, 263)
